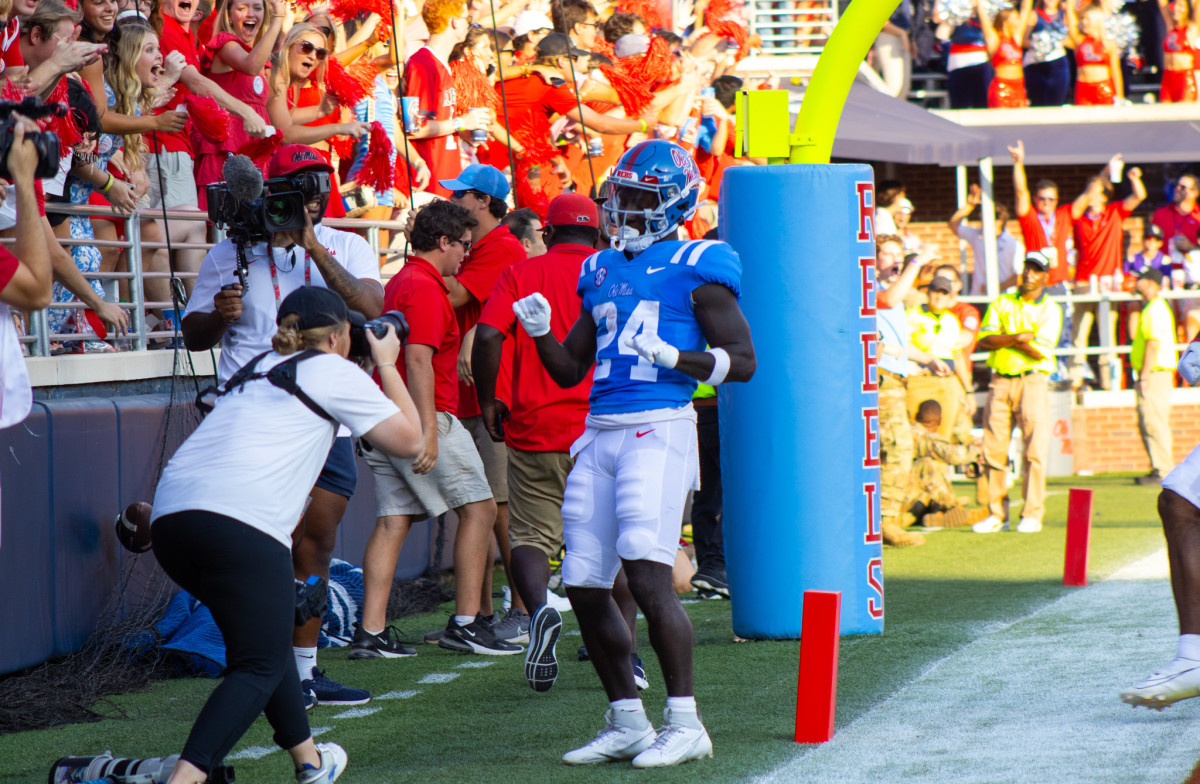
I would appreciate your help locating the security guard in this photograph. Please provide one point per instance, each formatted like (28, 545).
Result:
(1020, 330)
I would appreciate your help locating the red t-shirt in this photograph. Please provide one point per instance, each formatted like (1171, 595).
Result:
(419, 292)
(175, 38)
(545, 417)
(1098, 242)
(496, 252)
(968, 317)
(529, 104)
(1033, 234)
(1172, 222)
(10, 50)
(8, 267)
(429, 80)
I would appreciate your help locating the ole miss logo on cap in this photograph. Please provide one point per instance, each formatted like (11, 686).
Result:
(300, 156)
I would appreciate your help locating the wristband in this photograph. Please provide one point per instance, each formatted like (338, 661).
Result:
(109, 184)
(643, 124)
(720, 366)
(387, 364)
(459, 125)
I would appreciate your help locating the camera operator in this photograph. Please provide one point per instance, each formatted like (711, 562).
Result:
(25, 275)
(228, 501)
(241, 321)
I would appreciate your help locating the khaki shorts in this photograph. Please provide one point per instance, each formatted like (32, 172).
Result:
(178, 180)
(494, 456)
(456, 479)
(539, 480)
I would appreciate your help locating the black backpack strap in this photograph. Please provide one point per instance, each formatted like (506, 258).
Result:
(243, 374)
(283, 376)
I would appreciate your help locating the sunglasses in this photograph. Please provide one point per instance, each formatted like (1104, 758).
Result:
(466, 244)
(325, 31)
(472, 191)
(308, 47)
(1045, 198)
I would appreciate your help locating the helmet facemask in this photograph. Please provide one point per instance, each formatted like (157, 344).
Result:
(635, 220)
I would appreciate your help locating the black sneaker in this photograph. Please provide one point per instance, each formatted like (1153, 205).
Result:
(330, 692)
(709, 579)
(582, 653)
(379, 646)
(1153, 478)
(639, 674)
(541, 665)
(476, 637)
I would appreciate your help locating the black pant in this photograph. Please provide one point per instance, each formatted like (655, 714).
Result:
(1048, 84)
(706, 502)
(244, 577)
(968, 87)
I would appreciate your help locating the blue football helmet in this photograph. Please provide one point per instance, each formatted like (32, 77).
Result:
(656, 184)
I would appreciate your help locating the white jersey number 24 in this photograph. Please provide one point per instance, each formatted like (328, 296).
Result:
(644, 318)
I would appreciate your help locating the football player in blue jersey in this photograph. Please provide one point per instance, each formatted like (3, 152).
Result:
(658, 315)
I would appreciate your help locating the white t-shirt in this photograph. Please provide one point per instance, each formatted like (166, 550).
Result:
(16, 397)
(251, 334)
(256, 457)
(1008, 250)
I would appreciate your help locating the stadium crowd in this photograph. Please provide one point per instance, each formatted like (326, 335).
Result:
(1000, 54)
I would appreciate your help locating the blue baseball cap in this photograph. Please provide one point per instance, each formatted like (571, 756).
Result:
(479, 177)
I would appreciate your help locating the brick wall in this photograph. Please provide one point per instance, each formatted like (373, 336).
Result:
(1105, 438)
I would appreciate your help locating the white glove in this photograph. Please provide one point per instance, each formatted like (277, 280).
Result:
(654, 349)
(534, 314)
(1189, 363)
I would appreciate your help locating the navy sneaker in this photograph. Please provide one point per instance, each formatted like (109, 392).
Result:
(639, 674)
(330, 692)
(310, 699)
(386, 645)
(582, 653)
(541, 666)
(712, 580)
(476, 637)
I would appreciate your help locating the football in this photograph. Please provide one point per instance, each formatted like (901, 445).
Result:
(133, 527)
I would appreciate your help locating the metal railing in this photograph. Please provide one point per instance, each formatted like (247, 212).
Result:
(792, 26)
(39, 337)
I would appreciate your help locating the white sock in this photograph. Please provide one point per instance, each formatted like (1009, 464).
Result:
(681, 704)
(306, 659)
(629, 713)
(368, 631)
(463, 620)
(1189, 647)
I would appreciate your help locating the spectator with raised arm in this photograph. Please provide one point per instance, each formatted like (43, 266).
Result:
(1008, 249)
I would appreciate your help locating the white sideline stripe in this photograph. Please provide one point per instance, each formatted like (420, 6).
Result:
(404, 694)
(258, 752)
(438, 677)
(1035, 699)
(357, 713)
(475, 665)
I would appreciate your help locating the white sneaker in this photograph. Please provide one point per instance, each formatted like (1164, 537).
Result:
(613, 743)
(1179, 680)
(990, 525)
(676, 743)
(1029, 525)
(333, 764)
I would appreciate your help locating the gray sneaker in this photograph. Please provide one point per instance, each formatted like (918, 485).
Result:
(514, 627)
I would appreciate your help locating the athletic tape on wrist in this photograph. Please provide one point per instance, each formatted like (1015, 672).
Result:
(720, 366)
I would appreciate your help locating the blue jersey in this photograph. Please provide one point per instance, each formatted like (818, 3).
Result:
(650, 293)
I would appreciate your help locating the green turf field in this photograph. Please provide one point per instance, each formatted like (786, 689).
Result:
(485, 724)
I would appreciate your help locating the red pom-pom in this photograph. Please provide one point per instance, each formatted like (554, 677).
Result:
(343, 146)
(472, 90)
(210, 119)
(526, 196)
(261, 150)
(635, 95)
(68, 132)
(377, 171)
(602, 46)
(654, 66)
(726, 19)
(343, 10)
(341, 84)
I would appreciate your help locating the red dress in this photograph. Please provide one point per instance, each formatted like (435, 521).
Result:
(311, 95)
(1102, 93)
(1178, 86)
(251, 90)
(1007, 93)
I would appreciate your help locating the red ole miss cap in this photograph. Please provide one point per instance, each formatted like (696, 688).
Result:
(292, 158)
(572, 209)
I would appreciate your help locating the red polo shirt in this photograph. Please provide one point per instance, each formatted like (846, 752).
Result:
(419, 292)
(545, 417)
(175, 38)
(8, 267)
(1033, 234)
(430, 81)
(1172, 222)
(496, 252)
(1098, 242)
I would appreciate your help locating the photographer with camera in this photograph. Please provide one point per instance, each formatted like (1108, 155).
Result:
(239, 317)
(228, 500)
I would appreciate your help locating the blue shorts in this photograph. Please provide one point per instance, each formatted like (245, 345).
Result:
(340, 473)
